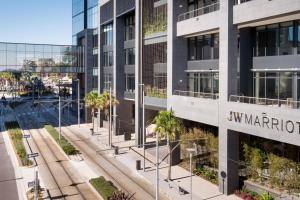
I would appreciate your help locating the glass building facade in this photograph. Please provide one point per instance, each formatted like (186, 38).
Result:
(41, 58)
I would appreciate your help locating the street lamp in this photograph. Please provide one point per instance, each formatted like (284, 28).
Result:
(157, 168)
(143, 119)
(110, 111)
(78, 101)
(191, 151)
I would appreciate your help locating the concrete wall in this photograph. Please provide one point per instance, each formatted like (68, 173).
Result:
(195, 109)
(203, 23)
(263, 9)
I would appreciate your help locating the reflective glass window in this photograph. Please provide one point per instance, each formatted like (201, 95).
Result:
(92, 17)
(77, 7)
(78, 23)
(92, 3)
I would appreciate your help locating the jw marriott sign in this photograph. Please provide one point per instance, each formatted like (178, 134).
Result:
(265, 121)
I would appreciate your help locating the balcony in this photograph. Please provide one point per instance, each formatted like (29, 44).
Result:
(197, 94)
(288, 103)
(200, 11)
(199, 20)
(258, 10)
(198, 107)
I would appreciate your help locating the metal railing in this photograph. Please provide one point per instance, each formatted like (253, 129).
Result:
(236, 2)
(196, 94)
(288, 103)
(199, 11)
(274, 51)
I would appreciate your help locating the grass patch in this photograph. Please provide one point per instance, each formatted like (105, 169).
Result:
(68, 148)
(16, 136)
(104, 188)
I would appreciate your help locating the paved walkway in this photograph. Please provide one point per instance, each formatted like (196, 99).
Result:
(8, 185)
(202, 189)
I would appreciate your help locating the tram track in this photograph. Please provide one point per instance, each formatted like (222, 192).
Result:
(120, 175)
(56, 164)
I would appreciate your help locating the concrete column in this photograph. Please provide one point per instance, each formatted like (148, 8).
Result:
(228, 141)
(177, 51)
(246, 61)
(138, 70)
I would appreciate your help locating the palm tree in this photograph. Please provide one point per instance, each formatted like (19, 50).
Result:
(104, 102)
(92, 100)
(168, 126)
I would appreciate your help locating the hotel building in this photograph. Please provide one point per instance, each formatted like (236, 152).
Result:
(230, 64)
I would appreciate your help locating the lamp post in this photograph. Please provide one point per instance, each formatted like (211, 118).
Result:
(191, 151)
(78, 101)
(143, 126)
(110, 115)
(157, 169)
(59, 116)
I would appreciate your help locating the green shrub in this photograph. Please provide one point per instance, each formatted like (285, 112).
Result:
(104, 188)
(265, 196)
(207, 174)
(16, 136)
(68, 148)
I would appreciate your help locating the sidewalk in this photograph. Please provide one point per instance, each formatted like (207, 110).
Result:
(202, 189)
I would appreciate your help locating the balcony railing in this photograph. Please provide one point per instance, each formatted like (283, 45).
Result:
(274, 51)
(196, 94)
(199, 11)
(236, 2)
(288, 103)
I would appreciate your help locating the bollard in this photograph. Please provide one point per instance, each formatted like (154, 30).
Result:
(116, 150)
(92, 131)
(138, 165)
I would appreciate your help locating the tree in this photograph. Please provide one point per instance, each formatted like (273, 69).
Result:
(168, 126)
(92, 100)
(104, 103)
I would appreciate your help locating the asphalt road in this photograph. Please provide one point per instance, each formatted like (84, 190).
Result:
(8, 186)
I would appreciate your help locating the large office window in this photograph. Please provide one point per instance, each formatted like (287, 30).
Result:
(273, 85)
(78, 23)
(92, 3)
(203, 82)
(129, 56)
(203, 47)
(129, 27)
(108, 59)
(108, 34)
(130, 82)
(275, 39)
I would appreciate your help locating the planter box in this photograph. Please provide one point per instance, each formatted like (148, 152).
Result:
(261, 189)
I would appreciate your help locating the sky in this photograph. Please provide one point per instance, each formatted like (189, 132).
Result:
(36, 21)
